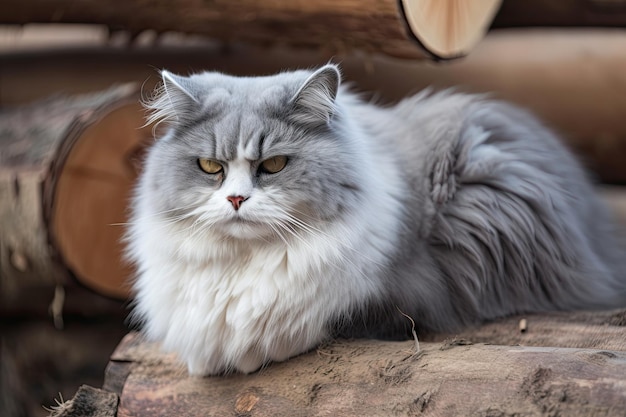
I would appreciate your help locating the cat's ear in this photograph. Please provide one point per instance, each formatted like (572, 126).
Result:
(180, 88)
(314, 103)
(174, 100)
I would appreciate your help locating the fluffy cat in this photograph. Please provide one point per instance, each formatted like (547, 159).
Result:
(279, 211)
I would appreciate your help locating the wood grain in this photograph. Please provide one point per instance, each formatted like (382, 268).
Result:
(453, 377)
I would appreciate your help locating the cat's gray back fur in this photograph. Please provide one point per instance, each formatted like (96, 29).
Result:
(500, 218)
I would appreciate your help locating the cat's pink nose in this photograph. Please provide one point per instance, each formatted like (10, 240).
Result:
(236, 200)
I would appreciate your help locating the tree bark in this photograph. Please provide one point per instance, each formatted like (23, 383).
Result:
(453, 377)
(88, 402)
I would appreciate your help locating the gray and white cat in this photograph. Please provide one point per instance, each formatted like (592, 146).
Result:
(279, 211)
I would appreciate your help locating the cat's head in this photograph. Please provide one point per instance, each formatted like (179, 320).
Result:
(249, 158)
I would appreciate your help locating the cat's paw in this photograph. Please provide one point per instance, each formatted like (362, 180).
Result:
(443, 181)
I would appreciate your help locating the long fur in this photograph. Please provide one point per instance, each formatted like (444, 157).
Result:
(449, 208)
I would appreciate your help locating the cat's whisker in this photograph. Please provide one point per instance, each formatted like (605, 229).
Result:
(167, 221)
(308, 216)
(294, 222)
(285, 227)
(320, 234)
(186, 209)
(280, 236)
(315, 231)
(170, 220)
(312, 248)
(204, 223)
(276, 232)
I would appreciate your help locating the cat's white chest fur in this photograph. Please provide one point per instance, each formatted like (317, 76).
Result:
(245, 304)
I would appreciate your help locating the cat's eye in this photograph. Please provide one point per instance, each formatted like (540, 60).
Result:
(210, 166)
(274, 164)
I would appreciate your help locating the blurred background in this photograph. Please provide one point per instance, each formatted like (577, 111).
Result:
(71, 135)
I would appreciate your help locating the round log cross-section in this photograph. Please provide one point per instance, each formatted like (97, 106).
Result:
(89, 196)
(450, 28)
(67, 167)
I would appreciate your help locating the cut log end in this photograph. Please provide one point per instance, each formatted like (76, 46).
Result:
(93, 185)
(450, 28)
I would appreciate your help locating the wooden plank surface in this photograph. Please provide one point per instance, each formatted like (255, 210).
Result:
(450, 377)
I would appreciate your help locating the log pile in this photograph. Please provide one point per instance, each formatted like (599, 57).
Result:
(67, 166)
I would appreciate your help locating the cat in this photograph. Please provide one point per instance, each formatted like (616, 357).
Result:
(279, 211)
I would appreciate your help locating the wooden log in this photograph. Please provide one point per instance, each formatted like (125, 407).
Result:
(443, 29)
(455, 377)
(62, 190)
